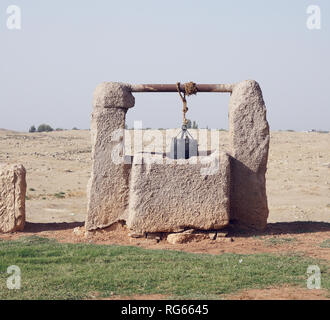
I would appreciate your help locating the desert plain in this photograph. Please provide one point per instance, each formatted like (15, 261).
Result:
(58, 167)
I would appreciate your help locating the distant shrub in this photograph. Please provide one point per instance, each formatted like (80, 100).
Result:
(45, 128)
(194, 125)
(32, 129)
(75, 128)
(59, 129)
(59, 195)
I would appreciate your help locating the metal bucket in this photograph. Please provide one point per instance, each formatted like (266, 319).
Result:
(183, 148)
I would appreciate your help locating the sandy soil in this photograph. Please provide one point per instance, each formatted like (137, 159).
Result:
(278, 293)
(298, 187)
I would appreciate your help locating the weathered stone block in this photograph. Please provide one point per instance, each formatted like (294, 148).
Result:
(12, 197)
(173, 196)
(249, 143)
(107, 190)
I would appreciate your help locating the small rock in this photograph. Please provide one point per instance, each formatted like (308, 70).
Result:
(212, 235)
(175, 238)
(78, 231)
(178, 238)
(133, 234)
(155, 236)
(222, 234)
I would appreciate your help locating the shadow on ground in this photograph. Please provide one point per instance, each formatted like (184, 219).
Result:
(281, 228)
(40, 227)
(278, 228)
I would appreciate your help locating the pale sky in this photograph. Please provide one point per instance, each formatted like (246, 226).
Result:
(50, 68)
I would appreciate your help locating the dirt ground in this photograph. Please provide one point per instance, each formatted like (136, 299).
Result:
(279, 293)
(298, 188)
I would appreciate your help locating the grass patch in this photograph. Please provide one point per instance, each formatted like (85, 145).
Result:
(52, 270)
(59, 195)
(276, 241)
(325, 244)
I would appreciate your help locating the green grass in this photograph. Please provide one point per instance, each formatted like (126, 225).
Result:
(59, 195)
(52, 270)
(276, 241)
(325, 244)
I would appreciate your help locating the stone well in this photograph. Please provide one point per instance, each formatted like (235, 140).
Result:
(170, 196)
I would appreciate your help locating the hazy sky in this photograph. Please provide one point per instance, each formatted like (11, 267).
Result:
(49, 68)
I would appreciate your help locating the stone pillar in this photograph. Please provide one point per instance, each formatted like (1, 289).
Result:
(12, 197)
(107, 190)
(249, 143)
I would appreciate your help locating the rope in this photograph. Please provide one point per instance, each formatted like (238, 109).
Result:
(183, 98)
(190, 88)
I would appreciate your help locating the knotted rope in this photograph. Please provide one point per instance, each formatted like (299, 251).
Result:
(190, 88)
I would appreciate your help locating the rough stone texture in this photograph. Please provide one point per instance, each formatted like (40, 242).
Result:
(184, 237)
(157, 197)
(172, 196)
(113, 95)
(107, 190)
(12, 197)
(249, 141)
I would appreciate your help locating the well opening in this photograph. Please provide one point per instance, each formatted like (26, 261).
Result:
(160, 117)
